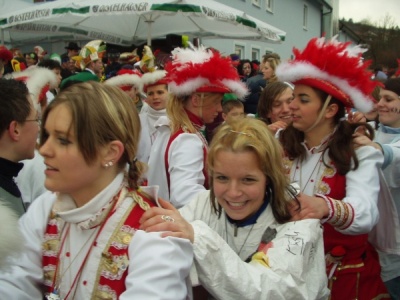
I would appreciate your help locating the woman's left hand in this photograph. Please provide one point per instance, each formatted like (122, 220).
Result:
(167, 219)
(360, 139)
(310, 208)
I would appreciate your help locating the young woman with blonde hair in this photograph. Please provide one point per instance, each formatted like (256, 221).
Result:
(245, 217)
(197, 80)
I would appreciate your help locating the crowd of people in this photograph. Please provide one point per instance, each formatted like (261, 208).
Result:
(198, 175)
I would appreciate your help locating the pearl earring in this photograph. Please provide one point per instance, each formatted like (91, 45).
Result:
(109, 164)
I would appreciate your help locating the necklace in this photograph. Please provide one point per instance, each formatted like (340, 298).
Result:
(299, 167)
(235, 234)
(55, 292)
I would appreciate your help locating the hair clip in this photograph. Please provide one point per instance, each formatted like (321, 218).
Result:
(241, 132)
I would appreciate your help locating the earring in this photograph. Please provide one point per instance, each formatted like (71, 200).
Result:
(109, 164)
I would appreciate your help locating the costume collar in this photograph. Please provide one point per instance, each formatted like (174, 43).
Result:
(90, 71)
(92, 213)
(253, 218)
(390, 130)
(155, 114)
(321, 147)
(197, 121)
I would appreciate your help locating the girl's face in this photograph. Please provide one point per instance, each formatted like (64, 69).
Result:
(210, 107)
(239, 187)
(280, 107)
(246, 68)
(66, 169)
(389, 108)
(157, 96)
(305, 107)
(267, 71)
(30, 61)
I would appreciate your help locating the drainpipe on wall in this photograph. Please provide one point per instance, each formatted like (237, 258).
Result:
(326, 17)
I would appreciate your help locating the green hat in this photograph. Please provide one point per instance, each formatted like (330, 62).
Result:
(229, 97)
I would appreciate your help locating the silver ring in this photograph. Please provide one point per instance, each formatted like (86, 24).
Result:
(167, 218)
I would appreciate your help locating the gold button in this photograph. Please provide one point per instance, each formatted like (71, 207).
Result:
(114, 269)
(127, 239)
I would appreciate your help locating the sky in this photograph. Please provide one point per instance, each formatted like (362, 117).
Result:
(373, 10)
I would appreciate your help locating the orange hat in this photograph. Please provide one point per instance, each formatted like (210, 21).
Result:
(92, 51)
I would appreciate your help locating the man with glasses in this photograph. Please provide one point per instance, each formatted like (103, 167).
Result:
(19, 128)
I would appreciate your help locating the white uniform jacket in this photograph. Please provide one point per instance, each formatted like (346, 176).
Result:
(186, 163)
(150, 274)
(294, 267)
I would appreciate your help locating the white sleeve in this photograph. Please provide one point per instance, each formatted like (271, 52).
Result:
(198, 208)
(392, 170)
(25, 277)
(362, 189)
(292, 268)
(186, 163)
(158, 267)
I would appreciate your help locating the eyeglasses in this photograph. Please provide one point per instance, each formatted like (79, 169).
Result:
(38, 120)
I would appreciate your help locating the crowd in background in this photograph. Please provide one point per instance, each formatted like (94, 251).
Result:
(204, 174)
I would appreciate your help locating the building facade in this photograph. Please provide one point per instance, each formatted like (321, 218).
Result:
(300, 19)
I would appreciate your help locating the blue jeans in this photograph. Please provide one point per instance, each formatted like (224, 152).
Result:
(393, 287)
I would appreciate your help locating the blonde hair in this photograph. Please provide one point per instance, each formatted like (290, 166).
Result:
(177, 114)
(100, 114)
(253, 135)
(274, 60)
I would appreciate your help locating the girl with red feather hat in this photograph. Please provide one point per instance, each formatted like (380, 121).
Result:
(339, 181)
(198, 78)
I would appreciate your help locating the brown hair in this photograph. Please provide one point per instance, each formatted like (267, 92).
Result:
(100, 114)
(227, 106)
(272, 91)
(14, 102)
(341, 146)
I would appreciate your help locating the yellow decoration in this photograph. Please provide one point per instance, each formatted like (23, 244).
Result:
(261, 258)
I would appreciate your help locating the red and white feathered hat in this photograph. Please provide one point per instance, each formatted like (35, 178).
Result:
(154, 78)
(202, 70)
(334, 67)
(39, 51)
(126, 79)
(5, 54)
(38, 81)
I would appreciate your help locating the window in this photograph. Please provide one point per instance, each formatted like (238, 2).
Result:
(269, 5)
(255, 54)
(239, 50)
(256, 2)
(305, 16)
